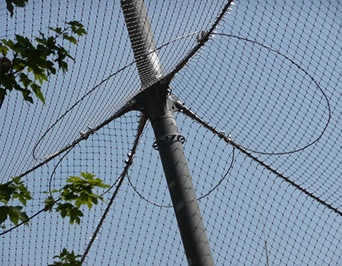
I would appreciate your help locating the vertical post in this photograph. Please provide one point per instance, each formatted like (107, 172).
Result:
(157, 106)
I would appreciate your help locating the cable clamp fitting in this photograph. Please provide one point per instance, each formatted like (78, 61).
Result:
(168, 138)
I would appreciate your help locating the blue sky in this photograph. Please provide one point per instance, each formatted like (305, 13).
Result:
(272, 95)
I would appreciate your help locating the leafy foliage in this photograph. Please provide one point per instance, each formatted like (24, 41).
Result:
(14, 213)
(11, 3)
(24, 66)
(14, 190)
(67, 258)
(77, 192)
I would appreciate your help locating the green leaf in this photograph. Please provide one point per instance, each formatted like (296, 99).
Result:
(75, 23)
(23, 43)
(50, 68)
(67, 209)
(24, 79)
(3, 49)
(42, 40)
(6, 191)
(3, 213)
(19, 64)
(63, 65)
(20, 3)
(58, 30)
(77, 28)
(49, 203)
(15, 214)
(9, 43)
(10, 7)
(75, 215)
(40, 76)
(67, 258)
(51, 43)
(15, 189)
(21, 192)
(77, 192)
(2, 95)
(70, 38)
(40, 60)
(27, 95)
(24, 218)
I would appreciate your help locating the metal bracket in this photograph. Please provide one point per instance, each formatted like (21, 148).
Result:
(168, 138)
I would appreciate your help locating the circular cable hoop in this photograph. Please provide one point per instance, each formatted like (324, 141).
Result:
(305, 72)
(211, 190)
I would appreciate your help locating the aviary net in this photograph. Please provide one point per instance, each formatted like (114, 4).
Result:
(258, 89)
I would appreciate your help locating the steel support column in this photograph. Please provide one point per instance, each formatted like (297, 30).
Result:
(157, 104)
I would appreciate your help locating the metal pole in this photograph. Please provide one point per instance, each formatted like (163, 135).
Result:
(158, 106)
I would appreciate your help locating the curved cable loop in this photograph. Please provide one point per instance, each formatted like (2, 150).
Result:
(91, 131)
(227, 139)
(142, 123)
(211, 190)
(308, 75)
(141, 196)
(72, 107)
(124, 110)
(222, 179)
(204, 37)
(55, 168)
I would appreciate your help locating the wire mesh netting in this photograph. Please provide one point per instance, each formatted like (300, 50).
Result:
(261, 121)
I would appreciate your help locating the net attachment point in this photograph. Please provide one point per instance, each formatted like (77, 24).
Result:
(86, 134)
(203, 36)
(129, 158)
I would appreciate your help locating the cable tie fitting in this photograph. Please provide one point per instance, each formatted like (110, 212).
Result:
(169, 138)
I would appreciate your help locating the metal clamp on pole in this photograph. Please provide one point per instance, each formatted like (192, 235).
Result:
(172, 138)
